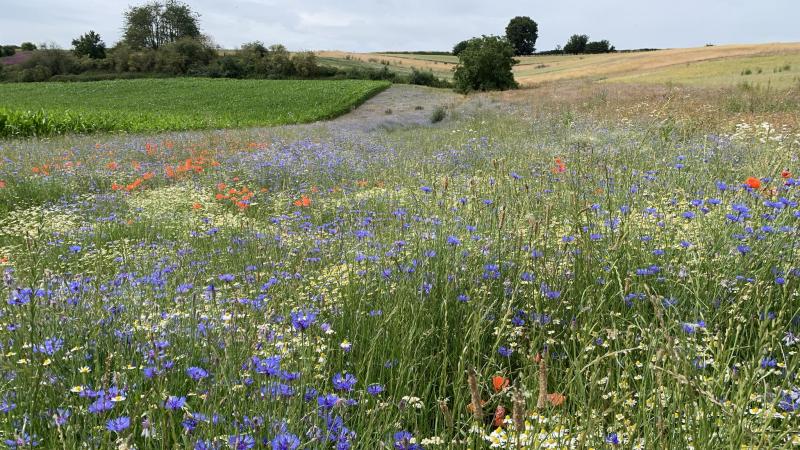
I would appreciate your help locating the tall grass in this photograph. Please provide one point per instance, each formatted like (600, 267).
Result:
(624, 279)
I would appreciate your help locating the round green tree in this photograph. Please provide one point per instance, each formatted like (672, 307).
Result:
(522, 33)
(485, 64)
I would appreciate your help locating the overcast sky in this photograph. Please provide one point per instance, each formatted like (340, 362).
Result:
(376, 25)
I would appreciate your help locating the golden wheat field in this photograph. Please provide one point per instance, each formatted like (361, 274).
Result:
(777, 64)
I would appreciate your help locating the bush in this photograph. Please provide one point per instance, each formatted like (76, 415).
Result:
(485, 64)
(27, 46)
(184, 56)
(48, 62)
(7, 50)
(599, 47)
(305, 64)
(438, 114)
(576, 44)
(426, 78)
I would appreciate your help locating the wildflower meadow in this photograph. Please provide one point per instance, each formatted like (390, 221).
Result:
(506, 278)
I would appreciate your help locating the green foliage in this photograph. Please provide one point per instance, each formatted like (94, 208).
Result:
(426, 78)
(183, 56)
(438, 114)
(599, 47)
(90, 45)
(522, 33)
(579, 44)
(576, 44)
(7, 50)
(485, 64)
(156, 24)
(27, 46)
(458, 48)
(173, 104)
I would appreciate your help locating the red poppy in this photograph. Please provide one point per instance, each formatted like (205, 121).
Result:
(753, 182)
(304, 202)
(786, 174)
(556, 399)
(499, 383)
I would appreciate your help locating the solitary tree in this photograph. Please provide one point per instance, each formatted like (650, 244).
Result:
(522, 33)
(576, 44)
(89, 45)
(485, 64)
(155, 24)
(27, 46)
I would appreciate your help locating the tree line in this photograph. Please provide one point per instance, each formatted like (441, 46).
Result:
(164, 38)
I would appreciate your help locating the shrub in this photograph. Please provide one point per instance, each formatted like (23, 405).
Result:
(48, 62)
(305, 64)
(599, 47)
(27, 46)
(427, 78)
(576, 44)
(485, 64)
(182, 56)
(438, 114)
(7, 50)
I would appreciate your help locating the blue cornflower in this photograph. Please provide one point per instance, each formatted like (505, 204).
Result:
(227, 277)
(174, 403)
(196, 373)
(505, 351)
(301, 320)
(404, 440)
(454, 241)
(426, 189)
(241, 442)
(612, 439)
(100, 405)
(75, 248)
(119, 424)
(327, 401)
(50, 346)
(344, 381)
(374, 389)
(285, 441)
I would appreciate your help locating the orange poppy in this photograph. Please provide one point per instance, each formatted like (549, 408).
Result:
(197, 206)
(304, 202)
(556, 399)
(786, 174)
(499, 416)
(2, 184)
(499, 383)
(112, 165)
(753, 182)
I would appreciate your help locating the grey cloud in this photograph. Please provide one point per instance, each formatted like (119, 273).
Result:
(363, 25)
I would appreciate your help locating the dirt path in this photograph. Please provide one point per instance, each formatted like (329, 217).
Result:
(400, 105)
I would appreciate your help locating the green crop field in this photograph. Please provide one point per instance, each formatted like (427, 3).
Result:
(173, 104)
